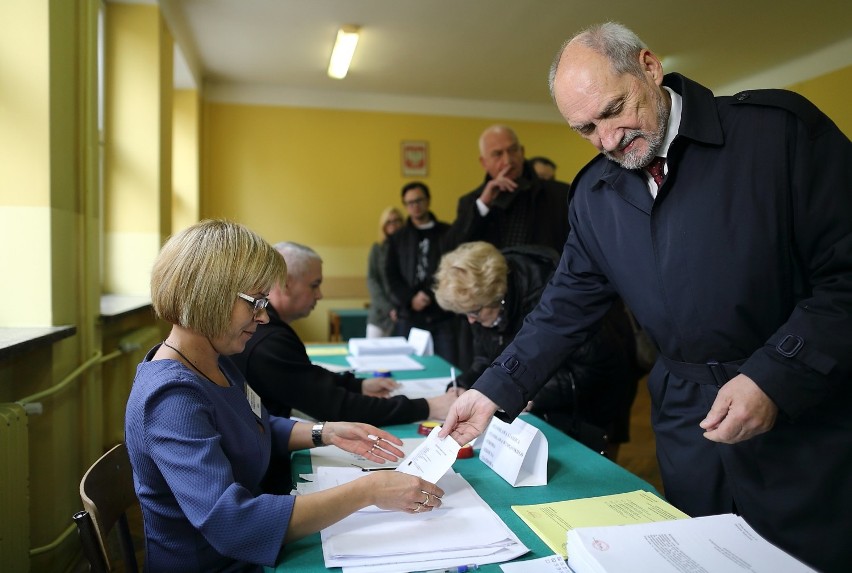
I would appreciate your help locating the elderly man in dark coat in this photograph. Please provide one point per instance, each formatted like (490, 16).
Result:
(735, 252)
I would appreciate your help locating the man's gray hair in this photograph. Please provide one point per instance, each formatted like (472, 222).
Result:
(616, 42)
(297, 256)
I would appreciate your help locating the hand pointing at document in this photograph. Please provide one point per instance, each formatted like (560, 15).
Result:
(468, 417)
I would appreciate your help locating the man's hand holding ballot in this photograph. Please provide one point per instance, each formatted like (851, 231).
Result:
(468, 417)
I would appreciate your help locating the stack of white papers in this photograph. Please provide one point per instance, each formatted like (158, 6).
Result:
(379, 346)
(463, 530)
(383, 362)
(714, 543)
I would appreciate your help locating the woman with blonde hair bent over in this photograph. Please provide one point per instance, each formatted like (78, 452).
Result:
(590, 395)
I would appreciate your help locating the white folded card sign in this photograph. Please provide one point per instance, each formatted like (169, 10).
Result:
(516, 451)
(421, 341)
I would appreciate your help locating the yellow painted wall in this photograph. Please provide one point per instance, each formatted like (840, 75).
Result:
(831, 94)
(321, 177)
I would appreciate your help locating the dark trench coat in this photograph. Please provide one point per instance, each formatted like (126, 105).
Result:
(744, 259)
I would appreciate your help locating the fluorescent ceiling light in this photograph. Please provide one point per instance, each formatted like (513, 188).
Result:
(344, 49)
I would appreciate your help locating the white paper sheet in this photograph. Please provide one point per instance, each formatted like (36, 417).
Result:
(713, 543)
(432, 458)
(421, 388)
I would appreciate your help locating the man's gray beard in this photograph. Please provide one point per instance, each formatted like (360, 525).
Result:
(654, 139)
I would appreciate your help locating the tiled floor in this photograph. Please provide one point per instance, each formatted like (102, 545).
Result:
(637, 456)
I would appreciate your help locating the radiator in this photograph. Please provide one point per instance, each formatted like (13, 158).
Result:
(14, 488)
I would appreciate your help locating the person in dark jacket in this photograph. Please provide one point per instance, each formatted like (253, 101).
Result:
(276, 364)
(737, 261)
(413, 255)
(382, 315)
(512, 206)
(495, 290)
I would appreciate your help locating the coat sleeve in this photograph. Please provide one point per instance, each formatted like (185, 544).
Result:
(280, 371)
(807, 359)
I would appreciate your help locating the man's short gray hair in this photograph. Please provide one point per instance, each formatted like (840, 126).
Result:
(297, 257)
(619, 44)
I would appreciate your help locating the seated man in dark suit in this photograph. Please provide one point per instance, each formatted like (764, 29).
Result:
(276, 363)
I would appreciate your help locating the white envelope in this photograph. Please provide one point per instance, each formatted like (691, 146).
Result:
(517, 452)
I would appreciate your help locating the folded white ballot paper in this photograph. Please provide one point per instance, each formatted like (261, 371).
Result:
(517, 452)
(421, 341)
(432, 458)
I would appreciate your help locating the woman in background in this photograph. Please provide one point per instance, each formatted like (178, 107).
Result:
(200, 440)
(496, 289)
(381, 315)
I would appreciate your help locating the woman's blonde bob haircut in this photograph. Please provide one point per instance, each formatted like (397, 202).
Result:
(199, 271)
(470, 277)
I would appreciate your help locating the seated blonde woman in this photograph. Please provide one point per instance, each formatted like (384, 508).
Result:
(199, 439)
(496, 290)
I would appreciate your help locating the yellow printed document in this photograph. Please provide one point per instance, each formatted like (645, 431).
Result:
(551, 521)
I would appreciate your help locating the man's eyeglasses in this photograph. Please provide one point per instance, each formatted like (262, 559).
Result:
(413, 202)
(256, 304)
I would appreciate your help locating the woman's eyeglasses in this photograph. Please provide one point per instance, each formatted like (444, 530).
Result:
(474, 314)
(256, 304)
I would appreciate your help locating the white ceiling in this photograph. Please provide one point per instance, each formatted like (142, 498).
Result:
(488, 55)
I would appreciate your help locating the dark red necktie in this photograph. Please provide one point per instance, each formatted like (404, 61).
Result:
(656, 169)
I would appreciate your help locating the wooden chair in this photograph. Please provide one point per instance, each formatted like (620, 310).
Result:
(107, 493)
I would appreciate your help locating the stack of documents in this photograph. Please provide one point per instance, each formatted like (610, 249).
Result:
(376, 354)
(379, 346)
(551, 521)
(714, 543)
(463, 530)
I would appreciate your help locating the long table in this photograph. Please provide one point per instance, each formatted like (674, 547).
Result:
(574, 471)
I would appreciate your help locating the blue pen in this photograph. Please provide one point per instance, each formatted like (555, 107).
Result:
(459, 569)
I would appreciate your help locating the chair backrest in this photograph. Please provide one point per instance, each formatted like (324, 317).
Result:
(107, 493)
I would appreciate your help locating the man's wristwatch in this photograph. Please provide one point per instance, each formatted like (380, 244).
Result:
(316, 433)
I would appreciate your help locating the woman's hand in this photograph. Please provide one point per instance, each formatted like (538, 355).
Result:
(364, 440)
(397, 491)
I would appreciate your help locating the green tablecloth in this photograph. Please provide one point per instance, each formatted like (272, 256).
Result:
(573, 471)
